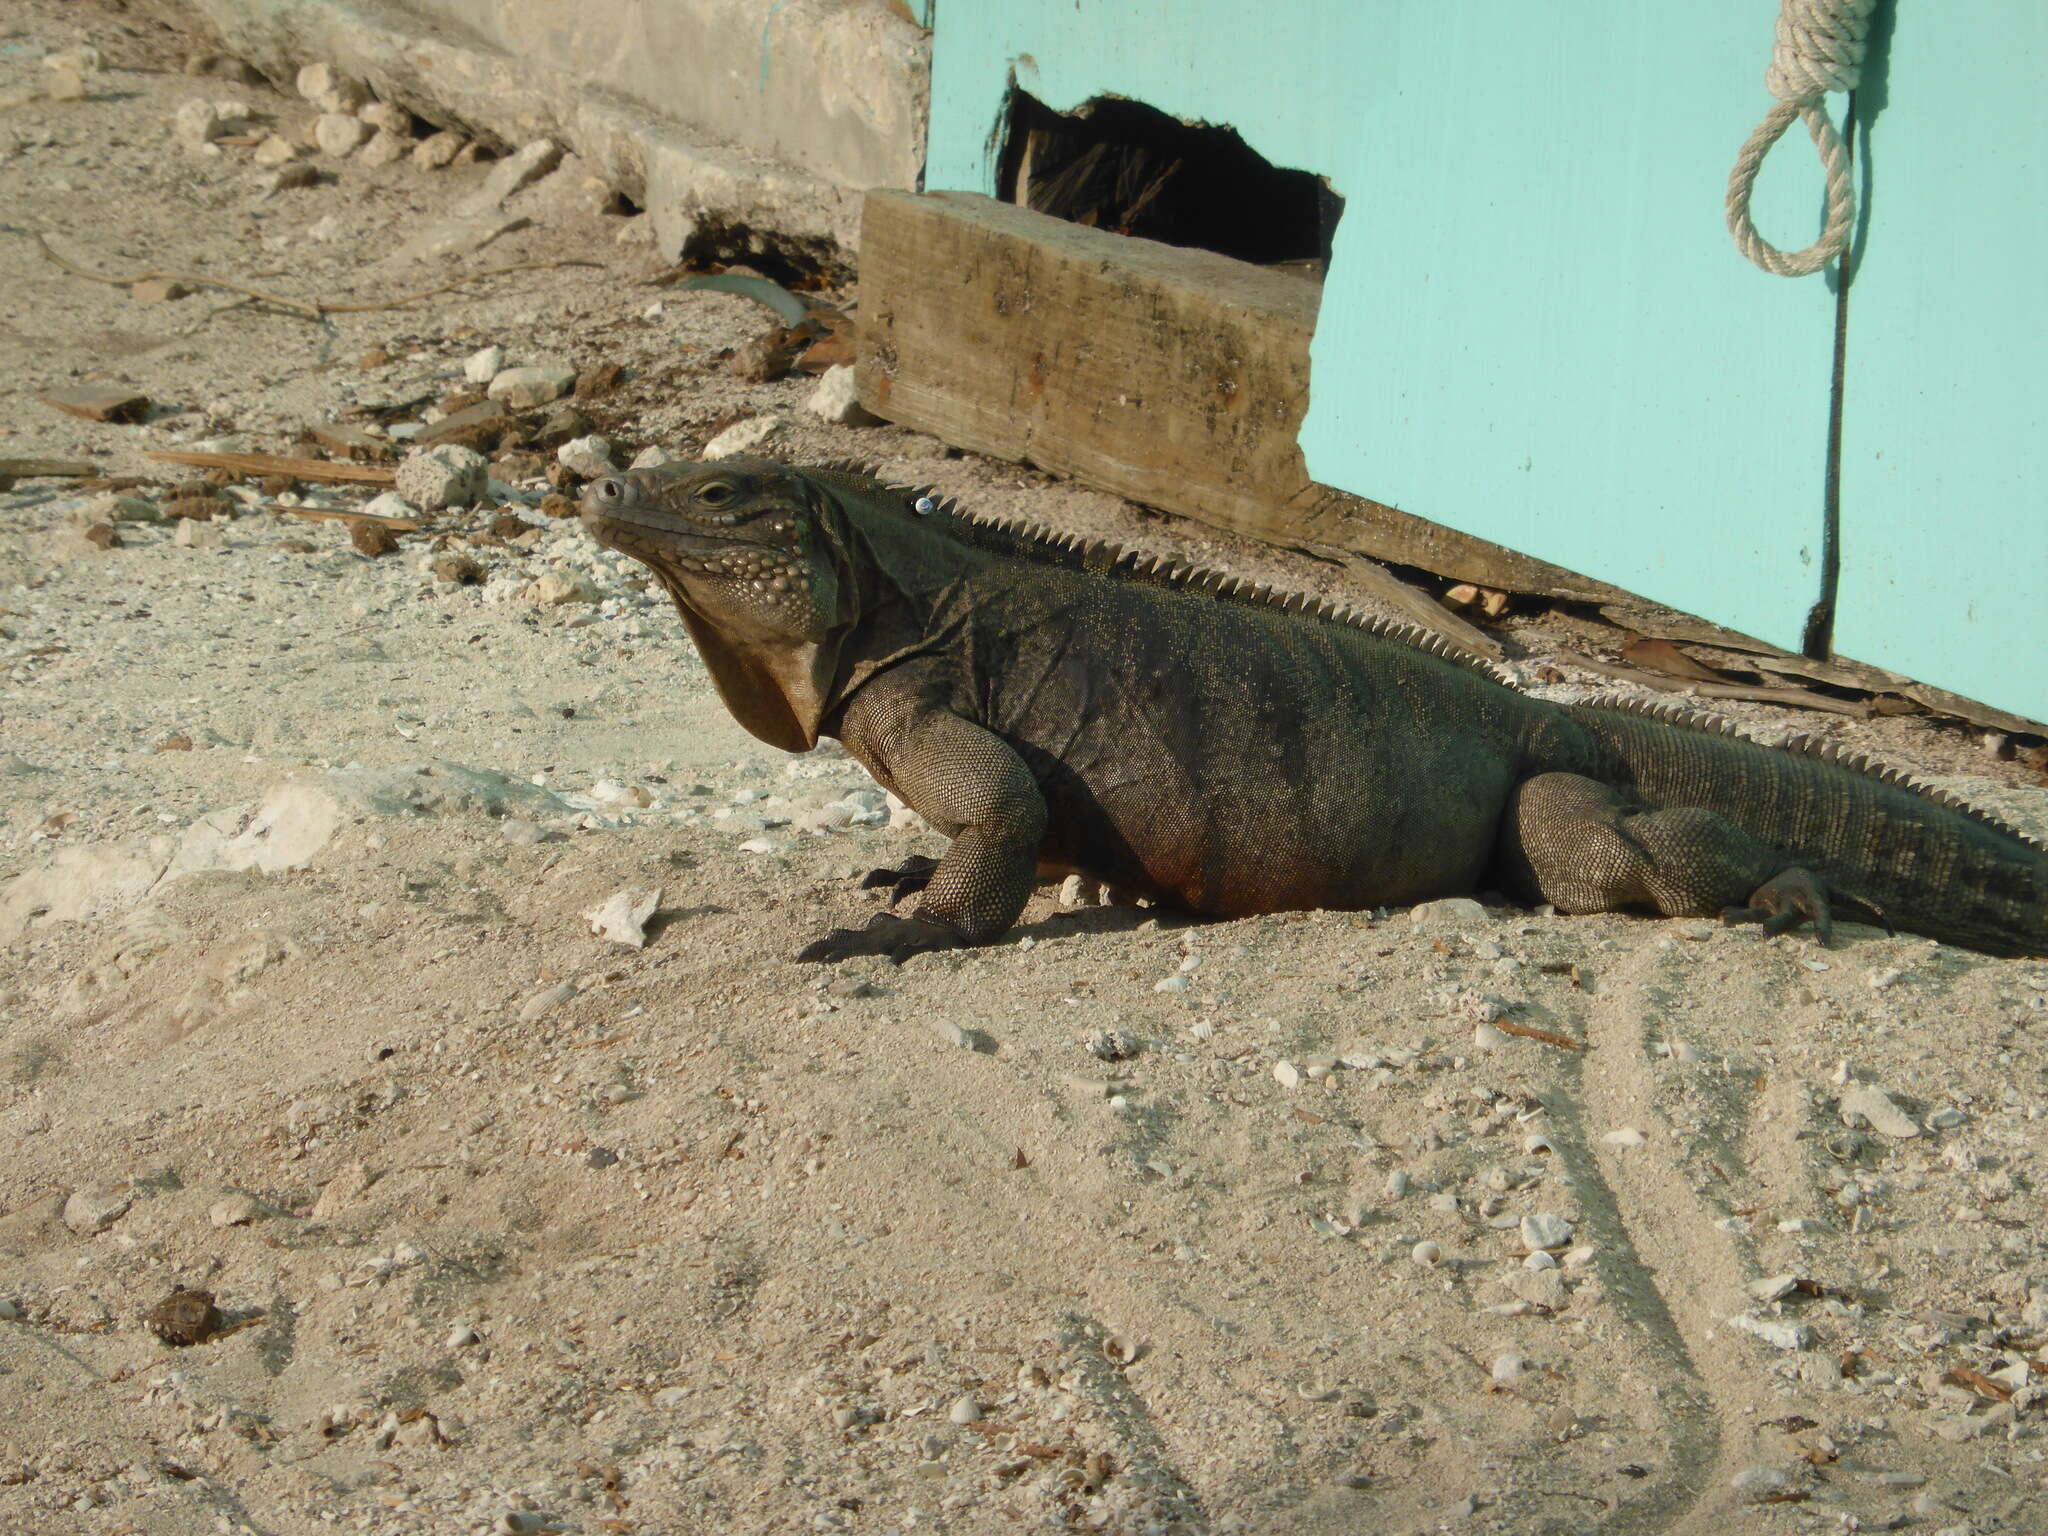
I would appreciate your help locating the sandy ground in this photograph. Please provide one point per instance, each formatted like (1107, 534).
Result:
(1124, 1225)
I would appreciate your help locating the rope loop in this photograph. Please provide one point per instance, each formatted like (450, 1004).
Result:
(1819, 48)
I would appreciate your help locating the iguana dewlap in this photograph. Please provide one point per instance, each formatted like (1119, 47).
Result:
(1053, 705)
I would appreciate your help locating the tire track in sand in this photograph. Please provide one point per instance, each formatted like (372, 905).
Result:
(1668, 1269)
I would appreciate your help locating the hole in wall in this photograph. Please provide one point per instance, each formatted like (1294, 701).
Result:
(1124, 167)
(800, 262)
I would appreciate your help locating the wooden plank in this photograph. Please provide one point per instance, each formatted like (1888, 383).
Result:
(483, 416)
(61, 469)
(281, 464)
(346, 437)
(1173, 377)
(1791, 698)
(99, 402)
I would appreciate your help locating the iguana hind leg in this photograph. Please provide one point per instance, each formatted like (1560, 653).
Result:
(1585, 846)
(969, 783)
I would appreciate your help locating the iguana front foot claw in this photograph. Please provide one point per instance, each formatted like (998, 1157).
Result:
(906, 879)
(892, 937)
(1784, 902)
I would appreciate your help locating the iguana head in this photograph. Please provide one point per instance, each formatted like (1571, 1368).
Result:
(750, 553)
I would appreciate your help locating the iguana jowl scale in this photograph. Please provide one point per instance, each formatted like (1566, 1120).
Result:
(1054, 705)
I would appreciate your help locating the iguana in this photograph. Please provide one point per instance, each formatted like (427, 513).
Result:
(1056, 705)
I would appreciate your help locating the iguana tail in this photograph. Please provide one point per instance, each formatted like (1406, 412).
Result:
(1883, 846)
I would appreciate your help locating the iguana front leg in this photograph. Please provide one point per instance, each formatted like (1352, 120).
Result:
(970, 784)
(1585, 847)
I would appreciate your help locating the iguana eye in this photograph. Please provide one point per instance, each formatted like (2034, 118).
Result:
(716, 494)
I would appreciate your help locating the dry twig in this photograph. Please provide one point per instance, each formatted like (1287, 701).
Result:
(1531, 1032)
(312, 311)
(280, 464)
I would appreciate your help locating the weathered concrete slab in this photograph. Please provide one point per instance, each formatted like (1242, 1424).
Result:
(757, 113)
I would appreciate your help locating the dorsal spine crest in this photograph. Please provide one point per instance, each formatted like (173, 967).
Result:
(1028, 540)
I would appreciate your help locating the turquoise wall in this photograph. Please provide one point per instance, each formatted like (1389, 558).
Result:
(1535, 328)
(1945, 521)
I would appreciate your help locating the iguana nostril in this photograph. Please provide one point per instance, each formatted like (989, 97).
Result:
(609, 490)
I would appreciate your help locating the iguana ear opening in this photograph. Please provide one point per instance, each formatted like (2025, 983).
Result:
(779, 696)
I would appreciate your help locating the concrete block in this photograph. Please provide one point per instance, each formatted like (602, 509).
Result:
(714, 115)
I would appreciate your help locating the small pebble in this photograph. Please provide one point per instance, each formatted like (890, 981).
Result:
(964, 1039)
(1427, 1253)
(1287, 1074)
(589, 457)
(541, 1002)
(623, 916)
(237, 1211)
(1113, 1045)
(1873, 1105)
(338, 134)
(1544, 1230)
(90, 1211)
(1778, 1332)
(965, 1410)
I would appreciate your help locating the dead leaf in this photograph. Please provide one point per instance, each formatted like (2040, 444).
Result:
(1977, 1381)
(1662, 656)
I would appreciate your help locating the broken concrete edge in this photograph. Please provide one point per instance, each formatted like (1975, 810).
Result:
(77, 884)
(294, 823)
(708, 198)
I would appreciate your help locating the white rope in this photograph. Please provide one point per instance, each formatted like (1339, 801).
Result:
(1819, 49)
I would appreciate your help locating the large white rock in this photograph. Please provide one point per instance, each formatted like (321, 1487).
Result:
(521, 388)
(623, 916)
(742, 437)
(90, 1211)
(330, 90)
(284, 831)
(339, 134)
(484, 365)
(79, 884)
(587, 456)
(445, 476)
(197, 124)
(835, 399)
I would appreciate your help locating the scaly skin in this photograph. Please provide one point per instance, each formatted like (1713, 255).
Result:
(1057, 707)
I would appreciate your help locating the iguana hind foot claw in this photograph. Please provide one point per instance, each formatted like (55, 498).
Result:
(906, 879)
(892, 937)
(1785, 901)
